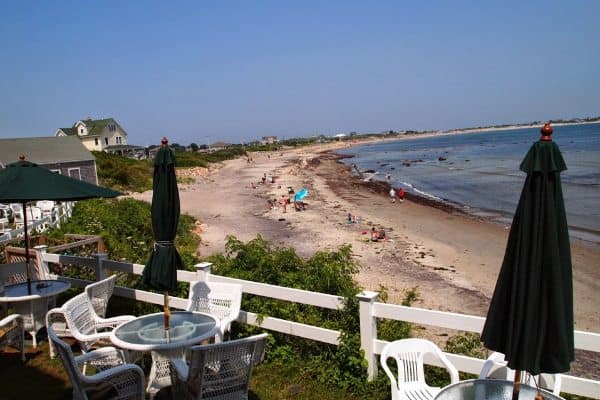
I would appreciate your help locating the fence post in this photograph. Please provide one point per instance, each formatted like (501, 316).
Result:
(368, 330)
(203, 271)
(100, 271)
(43, 271)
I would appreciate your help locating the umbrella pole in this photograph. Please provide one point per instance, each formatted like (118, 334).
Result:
(26, 248)
(517, 385)
(167, 311)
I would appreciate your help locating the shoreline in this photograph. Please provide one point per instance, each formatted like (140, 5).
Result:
(452, 259)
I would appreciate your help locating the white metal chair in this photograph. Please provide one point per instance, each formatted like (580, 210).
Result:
(85, 326)
(410, 382)
(11, 333)
(223, 300)
(115, 379)
(496, 367)
(98, 292)
(219, 371)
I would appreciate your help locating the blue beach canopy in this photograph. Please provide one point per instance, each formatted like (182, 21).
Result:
(302, 193)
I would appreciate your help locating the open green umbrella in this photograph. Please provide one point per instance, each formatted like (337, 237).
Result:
(24, 181)
(530, 318)
(160, 271)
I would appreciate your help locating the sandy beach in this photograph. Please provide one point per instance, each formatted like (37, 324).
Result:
(452, 259)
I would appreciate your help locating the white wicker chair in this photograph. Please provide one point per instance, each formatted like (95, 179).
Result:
(86, 327)
(98, 292)
(495, 367)
(410, 381)
(219, 371)
(222, 300)
(116, 380)
(11, 333)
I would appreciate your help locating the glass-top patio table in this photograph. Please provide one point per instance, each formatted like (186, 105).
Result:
(33, 305)
(492, 389)
(147, 333)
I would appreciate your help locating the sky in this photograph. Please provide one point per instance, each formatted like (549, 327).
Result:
(206, 71)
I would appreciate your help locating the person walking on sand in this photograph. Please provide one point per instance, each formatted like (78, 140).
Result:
(401, 194)
(283, 202)
(392, 195)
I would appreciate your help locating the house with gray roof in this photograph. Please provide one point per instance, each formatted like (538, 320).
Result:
(63, 154)
(99, 134)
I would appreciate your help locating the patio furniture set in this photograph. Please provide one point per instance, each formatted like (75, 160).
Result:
(407, 356)
(112, 345)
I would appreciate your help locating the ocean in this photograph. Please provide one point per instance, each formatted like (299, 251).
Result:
(479, 172)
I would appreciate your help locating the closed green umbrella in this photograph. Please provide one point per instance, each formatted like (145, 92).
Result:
(24, 181)
(160, 271)
(530, 319)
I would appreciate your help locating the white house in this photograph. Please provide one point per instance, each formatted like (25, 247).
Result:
(97, 134)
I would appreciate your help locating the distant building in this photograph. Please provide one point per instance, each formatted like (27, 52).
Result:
(99, 135)
(63, 155)
(269, 140)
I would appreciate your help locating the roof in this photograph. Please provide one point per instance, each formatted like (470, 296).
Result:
(44, 150)
(94, 126)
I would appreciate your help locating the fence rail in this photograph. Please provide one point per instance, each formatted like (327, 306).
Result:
(370, 310)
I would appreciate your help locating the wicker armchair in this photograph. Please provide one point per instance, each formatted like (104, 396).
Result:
(410, 380)
(115, 380)
(86, 327)
(11, 333)
(222, 300)
(98, 292)
(219, 371)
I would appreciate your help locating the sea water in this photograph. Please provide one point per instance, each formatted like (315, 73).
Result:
(479, 172)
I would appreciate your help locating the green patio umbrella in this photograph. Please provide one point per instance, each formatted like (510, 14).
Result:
(530, 318)
(24, 181)
(160, 271)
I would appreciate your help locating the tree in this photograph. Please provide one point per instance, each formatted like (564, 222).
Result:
(194, 147)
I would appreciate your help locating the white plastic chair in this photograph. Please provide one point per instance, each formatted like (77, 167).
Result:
(222, 300)
(116, 379)
(496, 367)
(219, 371)
(410, 383)
(98, 292)
(11, 333)
(86, 327)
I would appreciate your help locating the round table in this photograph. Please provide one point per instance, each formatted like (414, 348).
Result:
(33, 305)
(147, 333)
(492, 389)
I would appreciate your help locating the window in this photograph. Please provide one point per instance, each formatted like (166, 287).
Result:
(106, 141)
(75, 173)
(118, 140)
(96, 141)
(56, 171)
(81, 130)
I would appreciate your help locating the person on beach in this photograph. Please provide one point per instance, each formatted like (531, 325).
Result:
(401, 194)
(283, 202)
(374, 235)
(392, 195)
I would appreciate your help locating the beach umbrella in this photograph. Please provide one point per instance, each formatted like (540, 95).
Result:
(530, 318)
(302, 193)
(160, 271)
(24, 181)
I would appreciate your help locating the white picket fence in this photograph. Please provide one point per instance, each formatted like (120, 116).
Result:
(370, 310)
(58, 214)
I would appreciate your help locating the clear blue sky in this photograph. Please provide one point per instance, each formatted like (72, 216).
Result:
(202, 71)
